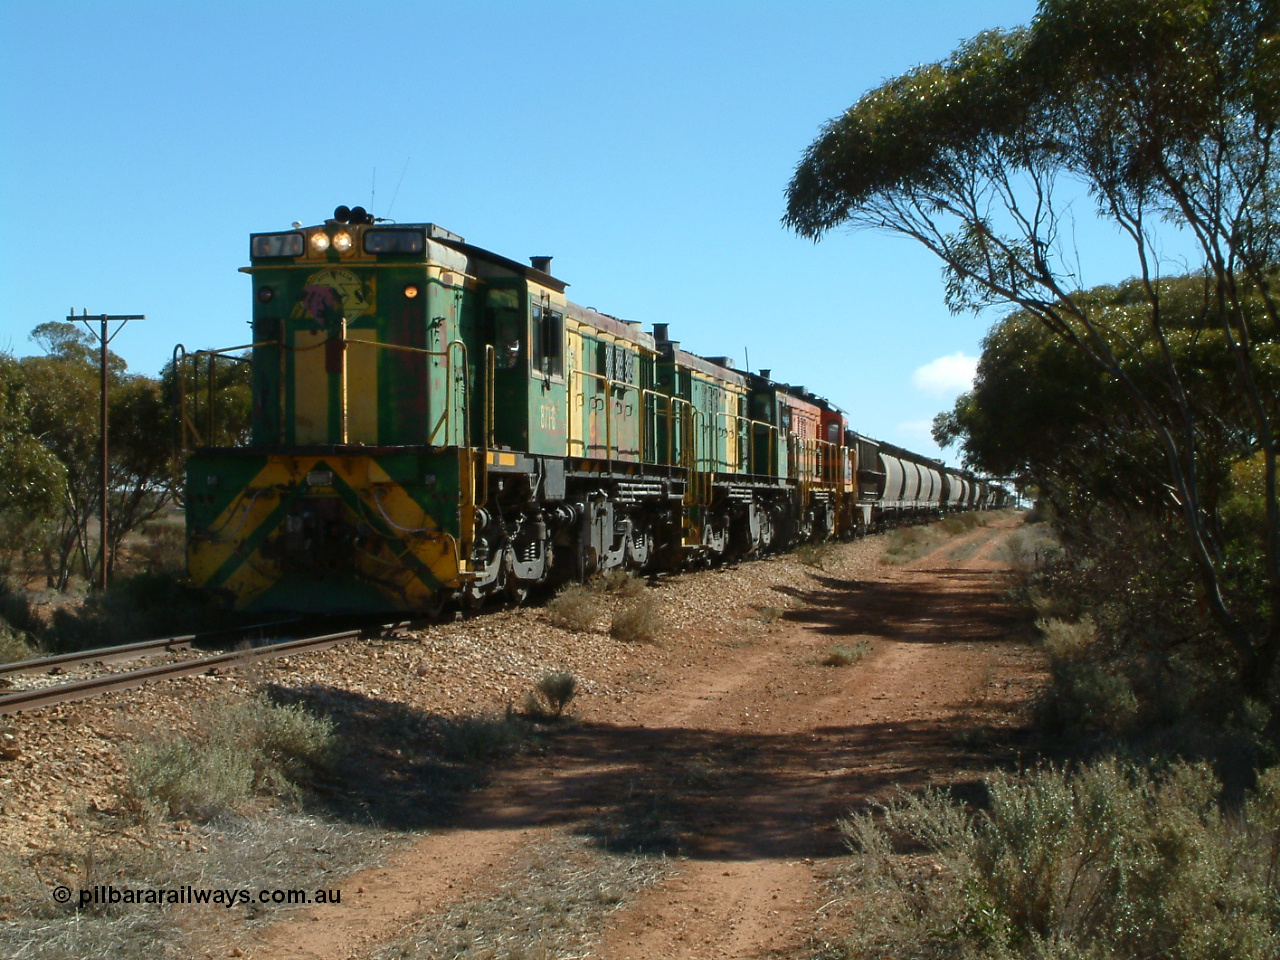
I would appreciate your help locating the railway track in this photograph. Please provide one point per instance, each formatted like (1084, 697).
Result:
(45, 696)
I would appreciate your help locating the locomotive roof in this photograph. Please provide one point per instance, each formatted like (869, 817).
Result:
(515, 266)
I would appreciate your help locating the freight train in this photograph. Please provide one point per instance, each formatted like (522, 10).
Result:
(434, 422)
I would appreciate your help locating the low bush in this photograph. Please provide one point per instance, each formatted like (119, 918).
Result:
(552, 694)
(241, 749)
(20, 628)
(768, 614)
(1088, 693)
(910, 543)
(15, 646)
(1107, 862)
(136, 608)
(814, 554)
(622, 583)
(483, 737)
(958, 523)
(639, 621)
(576, 607)
(164, 550)
(845, 655)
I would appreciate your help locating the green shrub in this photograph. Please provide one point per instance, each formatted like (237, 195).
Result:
(1107, 862)
(482, 738)
(15, 646)
(639, 621)
(240, 749)
(1087, 693)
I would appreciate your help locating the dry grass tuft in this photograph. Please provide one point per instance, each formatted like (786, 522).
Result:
(554, 902)
(815, 554)
(639, 621)
(911, 543)
(243, 748)
(576, 608)
(846, 655)
(622, 583)
(768, 614)
(552, 694)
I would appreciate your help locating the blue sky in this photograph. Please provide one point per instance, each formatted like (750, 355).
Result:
(645, 145)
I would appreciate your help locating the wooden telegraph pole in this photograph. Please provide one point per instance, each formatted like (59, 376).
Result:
(103, 340)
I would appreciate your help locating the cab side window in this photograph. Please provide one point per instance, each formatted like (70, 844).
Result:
(504, 317)
(546, 341)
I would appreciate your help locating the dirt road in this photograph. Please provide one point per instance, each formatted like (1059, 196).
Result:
(710, 799)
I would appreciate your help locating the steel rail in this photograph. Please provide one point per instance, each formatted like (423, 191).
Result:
(133, 651)
(24, 700)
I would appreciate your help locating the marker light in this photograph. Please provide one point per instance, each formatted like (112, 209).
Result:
(411, 290)
(342, 241)
(319, 242)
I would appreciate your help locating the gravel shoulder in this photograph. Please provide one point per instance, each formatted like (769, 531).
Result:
(693, 799)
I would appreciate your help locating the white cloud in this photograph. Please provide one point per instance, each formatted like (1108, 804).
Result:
(951, 374)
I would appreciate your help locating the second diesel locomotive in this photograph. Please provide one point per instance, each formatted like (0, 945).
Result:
(434, 421)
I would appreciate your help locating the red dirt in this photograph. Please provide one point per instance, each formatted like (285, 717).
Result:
(747, 760)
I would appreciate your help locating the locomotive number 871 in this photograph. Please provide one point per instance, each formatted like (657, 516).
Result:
(433, 421)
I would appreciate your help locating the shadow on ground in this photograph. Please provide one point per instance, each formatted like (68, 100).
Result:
(971, 609)
(672, 790)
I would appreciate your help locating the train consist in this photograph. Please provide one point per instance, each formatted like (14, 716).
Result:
(434, 422)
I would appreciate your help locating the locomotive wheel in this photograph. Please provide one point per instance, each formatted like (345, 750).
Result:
(514, 590)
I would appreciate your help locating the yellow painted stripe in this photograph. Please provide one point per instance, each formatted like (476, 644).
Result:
(362, 387)
(310, 387)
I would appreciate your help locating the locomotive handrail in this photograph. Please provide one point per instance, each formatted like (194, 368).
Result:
(741, 421)
(610, 385)
(667, 398)
(699, 481)
(182, 419)
(446, 416)
(487, 416)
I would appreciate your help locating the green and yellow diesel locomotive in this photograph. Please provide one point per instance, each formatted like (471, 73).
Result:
(433, 422)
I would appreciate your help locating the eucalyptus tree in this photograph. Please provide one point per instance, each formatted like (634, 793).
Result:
(31, 477)
(1166, 111)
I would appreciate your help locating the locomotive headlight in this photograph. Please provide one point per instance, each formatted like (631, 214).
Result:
(319, 242)
(342, 241)
(411, 290)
